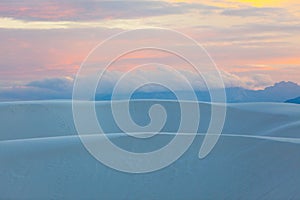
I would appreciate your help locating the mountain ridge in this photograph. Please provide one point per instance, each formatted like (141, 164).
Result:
(295, 100)
(279, 92)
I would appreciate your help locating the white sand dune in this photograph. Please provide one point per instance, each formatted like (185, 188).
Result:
(257, 156)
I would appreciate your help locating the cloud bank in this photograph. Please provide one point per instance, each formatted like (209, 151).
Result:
(61, 88)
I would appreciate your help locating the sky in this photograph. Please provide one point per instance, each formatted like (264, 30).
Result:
(253, 43)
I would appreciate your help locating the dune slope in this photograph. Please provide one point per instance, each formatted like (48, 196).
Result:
(257, 156)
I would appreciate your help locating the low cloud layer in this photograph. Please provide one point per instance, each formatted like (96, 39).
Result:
(61, 88)
(55, 84)
(47, 89)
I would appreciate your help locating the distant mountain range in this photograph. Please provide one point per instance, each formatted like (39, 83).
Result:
(295, 100)
(280, 92)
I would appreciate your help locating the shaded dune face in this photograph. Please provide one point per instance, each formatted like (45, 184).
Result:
(255, 157)
(24, 120)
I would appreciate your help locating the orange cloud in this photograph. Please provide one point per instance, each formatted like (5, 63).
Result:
(39, 10)
(251, 68)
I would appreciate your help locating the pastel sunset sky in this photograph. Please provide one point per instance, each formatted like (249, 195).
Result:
(255, 43)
